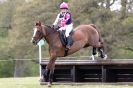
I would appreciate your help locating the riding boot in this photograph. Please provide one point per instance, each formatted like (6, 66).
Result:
(68, 42)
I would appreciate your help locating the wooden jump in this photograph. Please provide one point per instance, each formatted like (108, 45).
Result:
(91, 62)
(114, 70)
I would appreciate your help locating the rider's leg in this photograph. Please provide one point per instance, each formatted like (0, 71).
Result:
(62, 28)
(68, 30)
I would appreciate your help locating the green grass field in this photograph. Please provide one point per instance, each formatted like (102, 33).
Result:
(33, 82)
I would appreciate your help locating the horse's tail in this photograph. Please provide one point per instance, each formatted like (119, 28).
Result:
(100, 38)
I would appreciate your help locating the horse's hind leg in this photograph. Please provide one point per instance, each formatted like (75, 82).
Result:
(102, 53)
(100, 50)
(93, 53)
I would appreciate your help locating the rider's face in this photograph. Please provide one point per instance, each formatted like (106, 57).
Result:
(63, 10)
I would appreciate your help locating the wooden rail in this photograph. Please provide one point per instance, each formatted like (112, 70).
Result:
(115, 70)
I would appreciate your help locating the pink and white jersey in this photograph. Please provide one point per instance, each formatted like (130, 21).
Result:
(63, 19)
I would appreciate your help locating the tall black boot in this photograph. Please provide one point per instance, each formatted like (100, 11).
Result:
(68, 42)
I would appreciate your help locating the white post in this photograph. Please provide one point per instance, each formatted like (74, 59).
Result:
(40, 58)
(40, 43)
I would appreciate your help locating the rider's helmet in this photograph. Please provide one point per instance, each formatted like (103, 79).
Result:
(64, 5)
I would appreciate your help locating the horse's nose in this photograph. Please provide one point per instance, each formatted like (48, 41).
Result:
(33, 41)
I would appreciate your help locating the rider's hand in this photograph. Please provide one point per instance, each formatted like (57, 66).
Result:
(53, 26)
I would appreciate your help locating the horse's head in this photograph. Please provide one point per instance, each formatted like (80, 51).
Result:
(38, 33)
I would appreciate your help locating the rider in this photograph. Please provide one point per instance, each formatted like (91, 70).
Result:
(64, 21)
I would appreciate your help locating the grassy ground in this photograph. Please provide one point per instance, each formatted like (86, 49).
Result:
(32, 82)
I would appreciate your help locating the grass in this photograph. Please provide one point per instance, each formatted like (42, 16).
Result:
(32, 82)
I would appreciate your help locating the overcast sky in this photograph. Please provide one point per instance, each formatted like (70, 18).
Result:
(116, 5)
(3, 0)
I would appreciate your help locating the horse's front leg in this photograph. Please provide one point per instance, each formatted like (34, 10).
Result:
(49, 72)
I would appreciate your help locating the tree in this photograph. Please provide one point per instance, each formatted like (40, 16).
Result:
(109, 3)
(123, 9)
(23, 22)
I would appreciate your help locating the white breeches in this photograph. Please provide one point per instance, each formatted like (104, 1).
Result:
(68, 29)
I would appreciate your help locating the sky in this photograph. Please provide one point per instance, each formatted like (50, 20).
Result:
(2, 0)
(116, 5)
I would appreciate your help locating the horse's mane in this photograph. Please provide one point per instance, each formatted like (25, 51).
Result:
(50, 29)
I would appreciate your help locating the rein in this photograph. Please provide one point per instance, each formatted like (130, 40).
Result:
(49, 30)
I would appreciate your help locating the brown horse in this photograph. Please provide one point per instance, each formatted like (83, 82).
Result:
(83, 36)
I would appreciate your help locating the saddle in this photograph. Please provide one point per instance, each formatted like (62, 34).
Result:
(63, 38)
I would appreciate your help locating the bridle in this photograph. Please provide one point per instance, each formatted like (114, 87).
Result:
(36, 39)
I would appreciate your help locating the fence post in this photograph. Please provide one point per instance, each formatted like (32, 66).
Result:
(40, 43)
(73, 73)
(104, 74)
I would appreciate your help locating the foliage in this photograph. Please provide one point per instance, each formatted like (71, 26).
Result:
(6, 69)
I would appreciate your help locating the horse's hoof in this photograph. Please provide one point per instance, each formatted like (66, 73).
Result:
(49, 84)
(42, 79)
(92, 57)
(96, 55)
(105, 57)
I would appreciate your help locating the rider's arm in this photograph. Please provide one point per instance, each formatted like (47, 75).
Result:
(56, 20)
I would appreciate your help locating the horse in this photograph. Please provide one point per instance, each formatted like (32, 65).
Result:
(83, 36)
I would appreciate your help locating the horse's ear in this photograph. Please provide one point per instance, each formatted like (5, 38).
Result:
(38, 23)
